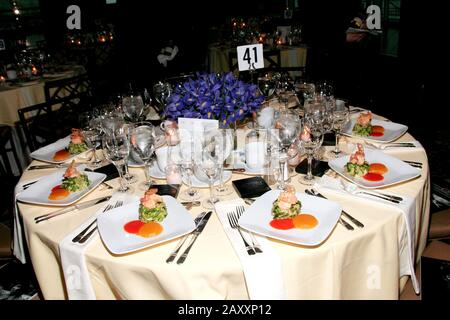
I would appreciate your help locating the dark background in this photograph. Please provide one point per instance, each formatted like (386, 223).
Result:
(393, 86)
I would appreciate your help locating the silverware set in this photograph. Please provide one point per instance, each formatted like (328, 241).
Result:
(392, 145)
(48, 166)
(414, 164)
(233, 218)
(84, 235)
(200, 223)
(240, 210)
(80, 206)
(29, 184)
(347, 225)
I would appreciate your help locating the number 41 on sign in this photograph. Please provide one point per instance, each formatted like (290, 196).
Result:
(250, 57)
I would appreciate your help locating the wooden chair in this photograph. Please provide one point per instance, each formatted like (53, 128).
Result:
(67, 91)
(440, 225)
(5, 242)
(46, 122)
(5, 139)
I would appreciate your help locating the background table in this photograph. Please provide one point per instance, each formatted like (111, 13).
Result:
(291, 56)
(337, 269)
(16, 96)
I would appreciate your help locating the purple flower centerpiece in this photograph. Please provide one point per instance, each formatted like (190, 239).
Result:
(221, 97)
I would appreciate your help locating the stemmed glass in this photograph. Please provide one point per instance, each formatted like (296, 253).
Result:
(92, 135)
(266, 86)
(143, 143)
(224, 148)
(341, 116)
(127, 129)
(133, 107)
(183, 155)
(209, 162)
(161, 91)
(288, 126)
(310, 140)
(116, 149)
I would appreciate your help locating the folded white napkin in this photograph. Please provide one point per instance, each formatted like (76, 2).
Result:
(406, 206)
(256, 267)
(76, 276)
(18, 244)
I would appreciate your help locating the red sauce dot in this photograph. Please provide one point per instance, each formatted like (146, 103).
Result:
(373, 177)
(282, 224)
(133, 226)
(377, 134)
(56, 188)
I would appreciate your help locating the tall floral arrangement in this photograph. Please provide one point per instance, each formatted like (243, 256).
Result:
(214, 96)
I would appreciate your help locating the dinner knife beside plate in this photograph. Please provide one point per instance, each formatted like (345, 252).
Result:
(80, 206)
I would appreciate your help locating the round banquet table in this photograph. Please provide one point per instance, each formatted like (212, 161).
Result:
(25, 94)
(291, 56)
(336, 269)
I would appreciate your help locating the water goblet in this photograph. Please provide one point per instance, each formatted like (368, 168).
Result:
(143, 143)
(92, 136)
(341, 116)
(209, 162)
(116, 149)
(133, 107)
(310, 140)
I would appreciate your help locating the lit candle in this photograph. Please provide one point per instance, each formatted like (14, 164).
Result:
(34, 71)
(173, 175)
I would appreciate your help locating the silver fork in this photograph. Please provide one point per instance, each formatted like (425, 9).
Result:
(81, 237)
(256, 246)
(234, 224)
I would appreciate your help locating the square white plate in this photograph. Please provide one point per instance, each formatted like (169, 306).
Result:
(46, 153)
(392, 130)
(110, 225)
(398, 171)
(38, 192)
(257, 219)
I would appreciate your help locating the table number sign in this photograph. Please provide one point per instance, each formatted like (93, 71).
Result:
(250, 57)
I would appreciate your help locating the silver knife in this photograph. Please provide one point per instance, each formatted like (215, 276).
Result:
(196, 233)
(174, 253)
(356, 222)
(47, 166)
(80, 206)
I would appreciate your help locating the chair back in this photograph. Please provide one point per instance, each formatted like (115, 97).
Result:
(46, 122)
(67, 91)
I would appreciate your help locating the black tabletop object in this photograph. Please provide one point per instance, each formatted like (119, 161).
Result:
(251, 187)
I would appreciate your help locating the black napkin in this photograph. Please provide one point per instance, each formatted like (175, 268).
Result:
(318, 167)
(167, 189)
(110, 170)
(251, 187)
(329, 139)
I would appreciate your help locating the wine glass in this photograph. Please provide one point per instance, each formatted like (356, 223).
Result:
(310, 140)
(225, 139)
(92, 136)
(133, 107)
(116, 149)
(183, 155)
(266, 86)
(143, 143)
(161, 91)
(127, 130)
(341, 116)
(209, 162)
(288, 126)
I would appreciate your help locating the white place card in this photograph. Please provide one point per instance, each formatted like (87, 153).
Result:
(250, 57)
